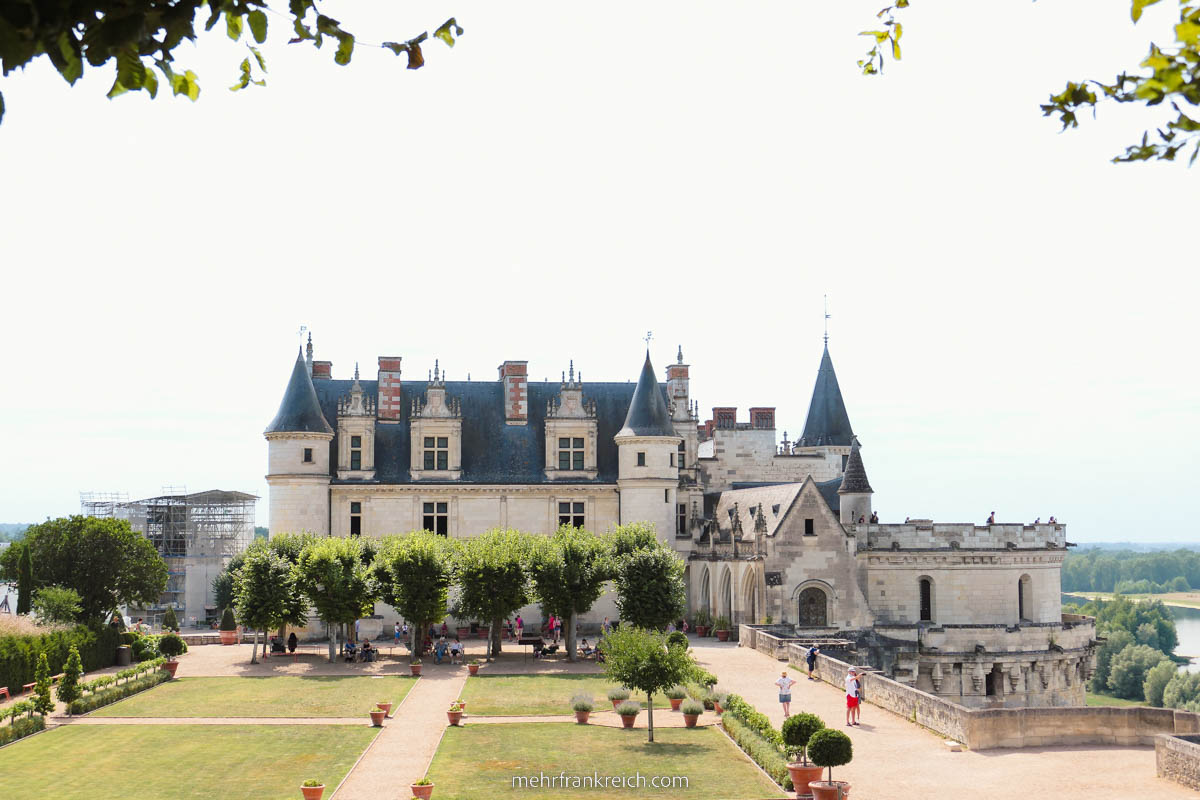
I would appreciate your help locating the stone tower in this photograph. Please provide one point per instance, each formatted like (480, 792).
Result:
(298, 458)
(647, 445)
(855, 490)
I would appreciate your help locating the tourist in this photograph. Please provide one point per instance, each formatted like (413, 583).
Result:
(683, 626)
(292, 642)
(861, 519)
(670, 627)
(508, 628)
(852, 700)
(992, 518)
(585, 649)
(439, 651)
(1037, 521)
(874, 518)
(445, 630)
(605, 626)
(368, 652)
(810, 658)
(785, 692)
(456, 651)
(397, 633)
(520, 626)
(349, 652)
(1053, 521)
(356, 635)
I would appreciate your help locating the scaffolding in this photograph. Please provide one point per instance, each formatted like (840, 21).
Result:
(101, 504)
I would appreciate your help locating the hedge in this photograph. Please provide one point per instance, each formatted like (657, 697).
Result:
(119, 692)
(19, 654)
(752, 719)
(763, 752)
(21, 728)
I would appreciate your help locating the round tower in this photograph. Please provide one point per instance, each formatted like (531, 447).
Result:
(855, 491)
(298, 458)
(647, 446)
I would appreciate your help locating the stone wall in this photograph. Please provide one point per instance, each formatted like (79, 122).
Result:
(736, 455)
(1178, 759)
(921, 534)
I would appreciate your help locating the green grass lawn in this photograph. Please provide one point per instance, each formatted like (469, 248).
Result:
(82, 762)
(282, 696)
(1094, 699)
(538, 695)
(479, 761)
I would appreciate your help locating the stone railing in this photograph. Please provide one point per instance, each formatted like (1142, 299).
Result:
(1178, 759)
(778, 641)
(919, 535)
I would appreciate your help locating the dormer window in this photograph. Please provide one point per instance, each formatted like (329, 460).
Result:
(356, 452)
(570, 452)
(437, 452)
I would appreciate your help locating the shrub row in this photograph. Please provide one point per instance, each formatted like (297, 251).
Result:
(19, 654)
(105, 681)
(112, 694)
(752, 719)
(21, 728)
(764, 753)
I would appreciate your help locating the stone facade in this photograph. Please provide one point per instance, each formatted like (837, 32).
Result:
(1178, 758)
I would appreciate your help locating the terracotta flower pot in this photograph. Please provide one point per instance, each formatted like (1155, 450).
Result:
(702, 631)
(722, 636)
(455, 717)
(423, 792)
(171, 666)
(312, 792)
(387, 708)
(828, 790)
(616, 703)
(231, 637)
(689, 720)
(675, 702)
(377, 718)
(581, 717)
(802, 776)
(415, 669)
(717, 707)
(473, 669)
(628, 719)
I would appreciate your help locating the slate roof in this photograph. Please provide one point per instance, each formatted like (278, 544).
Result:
(300, 411)
(827, 423)
(829, 490)
(648, 415)
(493, 452)
(779, 495)
(854, 478)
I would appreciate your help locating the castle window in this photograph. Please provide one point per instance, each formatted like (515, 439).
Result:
(570, 513)
(570, 452)
(437, 452)
(641, 459)
(355, 452)
(808, 528)
(356, 519)
(681, 520)
(308, 455)
(672, 459)
(926, 600)
(1024, 597)
(437, 518)
(682, 460)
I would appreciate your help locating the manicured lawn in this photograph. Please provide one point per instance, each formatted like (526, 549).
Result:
(283, 696)
(83, 762)
(538, 695)
(1108, 700)
(479, 761)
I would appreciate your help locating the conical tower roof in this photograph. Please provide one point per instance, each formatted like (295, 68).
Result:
(648, 415)
(300, 411)
(854, 479)
(827, 423)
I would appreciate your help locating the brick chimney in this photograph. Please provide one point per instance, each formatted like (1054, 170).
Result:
(762, 418)
(390, 393)
(515, 377)
(322, 370)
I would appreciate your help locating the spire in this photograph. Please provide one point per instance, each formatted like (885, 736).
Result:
(854, 479)
(827, 423)
(679, 355)
(648, 415)
(300, 411)
(308, 357)
(356, 372)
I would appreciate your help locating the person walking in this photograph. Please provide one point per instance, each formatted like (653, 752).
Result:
(852, 699)
(810, 658)
(520, 627)
(397, 633)
(785, 684)
(606, 626)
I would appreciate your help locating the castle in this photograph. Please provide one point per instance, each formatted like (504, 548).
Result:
(767, 528)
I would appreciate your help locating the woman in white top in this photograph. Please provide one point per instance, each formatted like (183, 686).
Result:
(852, 697)
(785, 692)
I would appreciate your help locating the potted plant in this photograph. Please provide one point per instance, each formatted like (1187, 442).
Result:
(628, 712)
(170, 645)
(675, 694)
(414, 666)
(581, 704)
(229, 633)
(692, 709)
(422, 788)
(377, 717)
(718, 699)
(455, 712)
(618, 695)
(722, 627)
(312, 789)
(703, 623)
(473, 666)
(830, 748)
(797, 731)
(387, 708)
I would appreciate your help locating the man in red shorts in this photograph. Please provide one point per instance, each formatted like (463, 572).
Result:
(852, 697)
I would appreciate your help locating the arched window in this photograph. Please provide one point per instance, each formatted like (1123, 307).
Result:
(926, 586)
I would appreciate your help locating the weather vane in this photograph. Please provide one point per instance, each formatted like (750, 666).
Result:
(649, 335)
(826, 319)
(300, 332)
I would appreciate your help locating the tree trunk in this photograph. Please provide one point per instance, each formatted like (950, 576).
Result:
(332, 631)
(254, 649)
(571, 636)
(650, 714)
(494, 638)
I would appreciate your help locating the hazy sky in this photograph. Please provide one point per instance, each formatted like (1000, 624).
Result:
(1013, 316)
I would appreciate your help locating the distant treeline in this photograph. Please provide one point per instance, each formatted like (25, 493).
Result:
(1131, 572)
(11, 531)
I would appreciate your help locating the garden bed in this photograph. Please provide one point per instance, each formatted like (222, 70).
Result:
(538, 695)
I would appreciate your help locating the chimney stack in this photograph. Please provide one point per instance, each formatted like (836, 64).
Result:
(322, 370)
(390, 393)
(515, 377)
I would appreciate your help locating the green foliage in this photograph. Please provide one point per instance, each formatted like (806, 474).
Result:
(170, 622)
(19, 655)
(171, 645)
(332, 574)
(267, 595)
(831, 748)
(43, 701)
(677, 639)
(691, 707)
(1156, 682)
(414, 573)
(119, 691)
(721, 624)
(618, 695)
(1115, 642)
(56, 604)
(703, 617)
(20, 728)
(650, 587)
(797, 731)
(628, 709)
(752, 718)
(492, 574)
(104, 560)
(1183, 691)
(624, 540)
(883, 40)
(705, 678)
(24, 578)
(312, 782)
(68, 686)
(764, 753)
(581, 703)
(228, 623)
(1123, 614)
(675, 693)
(641, 660)
(1127, 672)
(1131, 572)
(569, 570)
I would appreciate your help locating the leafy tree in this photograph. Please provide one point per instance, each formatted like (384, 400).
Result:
(631, 537)
(640, 659)
(68, 686)
(43, 703)
(24, 580)
(266, 595)
(1183, 691)
(1127, 672)
(104, 560)
(143, 34)
(493, 578)
(569, 571)
(414, 573)
(1115, 642)
(650, 587)
(830, 748)
(170, 622)
(1156, 682)
(340, 586)
(56, 604)
(797, 730)
(1121, 613)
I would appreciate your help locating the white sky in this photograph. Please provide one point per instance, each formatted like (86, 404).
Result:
(1013, 316)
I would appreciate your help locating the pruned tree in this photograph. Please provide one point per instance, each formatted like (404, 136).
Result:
(24, 579)
(68, 687)
(492, 574)
(650, 588)
(331, 573)
(266, 594)
(414, 572)
(640, 659)
(43, 702)
(569, 570)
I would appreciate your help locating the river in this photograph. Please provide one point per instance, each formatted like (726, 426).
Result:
(1187, 625)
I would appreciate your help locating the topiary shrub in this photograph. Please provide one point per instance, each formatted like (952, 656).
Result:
(677, 639)
(129, 637)
(145, 648)
(830, 748)
(797, 731)
(171, 646)
(581, 702)
(68, 686)
(170, 623)
(228, 623)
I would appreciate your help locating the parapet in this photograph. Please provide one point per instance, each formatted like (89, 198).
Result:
(926, 535)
